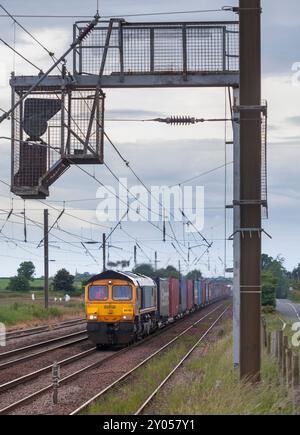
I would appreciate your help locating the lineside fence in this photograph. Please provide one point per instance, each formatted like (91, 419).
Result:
(277, 345)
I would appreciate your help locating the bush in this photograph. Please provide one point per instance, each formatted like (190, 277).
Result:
(63, 281)
(19, 284)
(268, 309)
(268, 290)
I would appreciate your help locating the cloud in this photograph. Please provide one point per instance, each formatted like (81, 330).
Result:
(295, 120)
(132, 113)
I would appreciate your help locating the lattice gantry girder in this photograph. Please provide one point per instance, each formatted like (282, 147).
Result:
(50, 133)
(146, 50)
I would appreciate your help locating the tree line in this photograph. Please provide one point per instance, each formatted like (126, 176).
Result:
(277, 281)
(22, 282)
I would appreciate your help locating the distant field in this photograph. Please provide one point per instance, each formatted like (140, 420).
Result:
(3, 283)
(37, 284)
(18, 309)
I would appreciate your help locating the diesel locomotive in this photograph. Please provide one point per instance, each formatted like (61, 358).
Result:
(122, 307)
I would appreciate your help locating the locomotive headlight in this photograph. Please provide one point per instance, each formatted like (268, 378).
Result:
(125, 317)
(93, 317)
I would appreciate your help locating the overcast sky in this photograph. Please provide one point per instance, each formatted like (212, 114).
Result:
(160, 154)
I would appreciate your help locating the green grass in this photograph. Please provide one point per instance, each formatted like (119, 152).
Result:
(4, 283)
(208, 386)
(216, 390)
(20, 313)
(294, 296)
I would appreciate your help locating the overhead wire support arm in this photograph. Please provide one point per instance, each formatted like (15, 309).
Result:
(84, 33)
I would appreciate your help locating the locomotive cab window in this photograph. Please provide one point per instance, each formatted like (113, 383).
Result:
(122, 293)
(98, 293)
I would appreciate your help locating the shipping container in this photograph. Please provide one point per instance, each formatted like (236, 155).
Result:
(199, 293)
(190, 294)
(202, 291)
(148, 297)
(183, 295)
(196, 293)
(207, 291)
(163, 300)
(174, 297)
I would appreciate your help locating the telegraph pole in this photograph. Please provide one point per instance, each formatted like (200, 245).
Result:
(46, 258)
(250, 188)
(104, 251)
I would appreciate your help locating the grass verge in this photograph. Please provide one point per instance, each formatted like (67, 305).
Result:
(20, 314)
(206, 385)
(132, 392)
(294, 296)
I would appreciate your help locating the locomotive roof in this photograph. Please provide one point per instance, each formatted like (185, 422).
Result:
(136, 279)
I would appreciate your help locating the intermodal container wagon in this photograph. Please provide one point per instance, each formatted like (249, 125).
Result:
(197, 301)
(190, 294)
(163, 300)
(183, 295)
(202, 291)
(174, 297)
(199, 292)
(207, 291)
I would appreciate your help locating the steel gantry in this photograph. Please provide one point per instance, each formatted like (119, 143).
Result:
(58, 120)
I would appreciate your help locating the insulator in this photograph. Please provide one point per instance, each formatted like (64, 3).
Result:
(85, 32)
(178, 120)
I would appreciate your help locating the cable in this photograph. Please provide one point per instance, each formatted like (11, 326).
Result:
(89, 253)
(202, 175)
(201, 11)
(141, 249)
(26, 31)
(18, 246)
(52, 226)
(196, 229)
(40, 226)
(116, 226)
(138, 178)
(21, 55)
(5, 183)
(179, 253)
(126, 162)
(7, 219)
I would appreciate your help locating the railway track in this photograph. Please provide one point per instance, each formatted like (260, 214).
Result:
(66, 340)
(22, 333)
(109, 356)
(114, 384)
(151, 397)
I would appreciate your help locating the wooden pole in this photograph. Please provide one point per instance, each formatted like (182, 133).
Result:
(296, 373)
(289, 367)
(277, 345)
(285, 347)
(269, 343)
(280, 345)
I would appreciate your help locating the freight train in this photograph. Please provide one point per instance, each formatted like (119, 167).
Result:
(122, 307)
